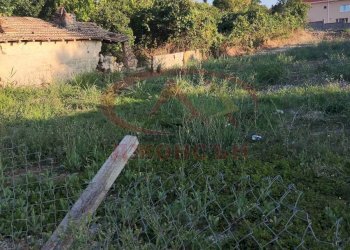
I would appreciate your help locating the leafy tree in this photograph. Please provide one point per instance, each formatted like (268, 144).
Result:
(233, 5)
(83, 9)
(6, 7)
(252, 28)
(27, 7)
(181, 23)
(165, 19)
(228, 20)
(45, 8)
(297, 8)
(113, 15)
(137, 5)
(204, 32)
(48, 9)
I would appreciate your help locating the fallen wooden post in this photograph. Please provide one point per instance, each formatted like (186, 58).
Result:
(93, 195)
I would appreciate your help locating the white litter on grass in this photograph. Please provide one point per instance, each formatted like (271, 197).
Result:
(279, 111)
(256, 138)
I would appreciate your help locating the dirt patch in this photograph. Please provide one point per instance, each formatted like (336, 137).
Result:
(297, 38)
(235, 51)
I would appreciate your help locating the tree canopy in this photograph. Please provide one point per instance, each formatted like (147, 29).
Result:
(234, 5)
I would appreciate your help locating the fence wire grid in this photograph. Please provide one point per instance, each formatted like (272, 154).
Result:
(188, 209)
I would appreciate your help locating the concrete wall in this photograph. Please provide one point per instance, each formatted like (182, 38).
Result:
(36, 63)
(328, 11)
(180, 59)
(164, 62)
(193, 55)
(329, 26)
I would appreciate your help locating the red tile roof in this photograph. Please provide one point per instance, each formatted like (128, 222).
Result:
(14, 29)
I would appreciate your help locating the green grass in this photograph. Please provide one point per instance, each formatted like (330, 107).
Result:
(186, 201)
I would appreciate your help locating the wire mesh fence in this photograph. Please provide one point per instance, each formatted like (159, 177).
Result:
(196, 207)
(204, 211)
(35, 195)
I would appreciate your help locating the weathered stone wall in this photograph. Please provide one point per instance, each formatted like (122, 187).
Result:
(193, 55)
(163, 62)
(36, 63)
(109, 64)
(180, 59)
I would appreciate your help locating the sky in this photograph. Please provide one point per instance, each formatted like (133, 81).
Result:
(268, 3)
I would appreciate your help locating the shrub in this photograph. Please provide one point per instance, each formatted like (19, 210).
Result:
(203, 32)
(155, 25)
(182, 23)
(233, 5)
(295, 8)
(113, 16)
(6, 8)
(25, 7)
(253, 27)
(256, 26)
(270, 72)
(250, 29)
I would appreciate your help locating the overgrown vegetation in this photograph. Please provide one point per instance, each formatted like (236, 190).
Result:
(254, 27)
(178, 24)
(191, 202)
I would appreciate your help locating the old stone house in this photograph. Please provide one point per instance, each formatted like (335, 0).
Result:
(35, 52)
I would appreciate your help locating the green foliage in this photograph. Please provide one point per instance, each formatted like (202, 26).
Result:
(165, 19)
(113, 16)
(81, 8)
(270, 72)
(203, 33)
(28, 7)
(257, 25)
(6, 7)
(297, 8)
(137, 5)
(233, 5)
(183, 23)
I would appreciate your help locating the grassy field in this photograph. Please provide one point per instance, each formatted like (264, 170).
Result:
(290, 189)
